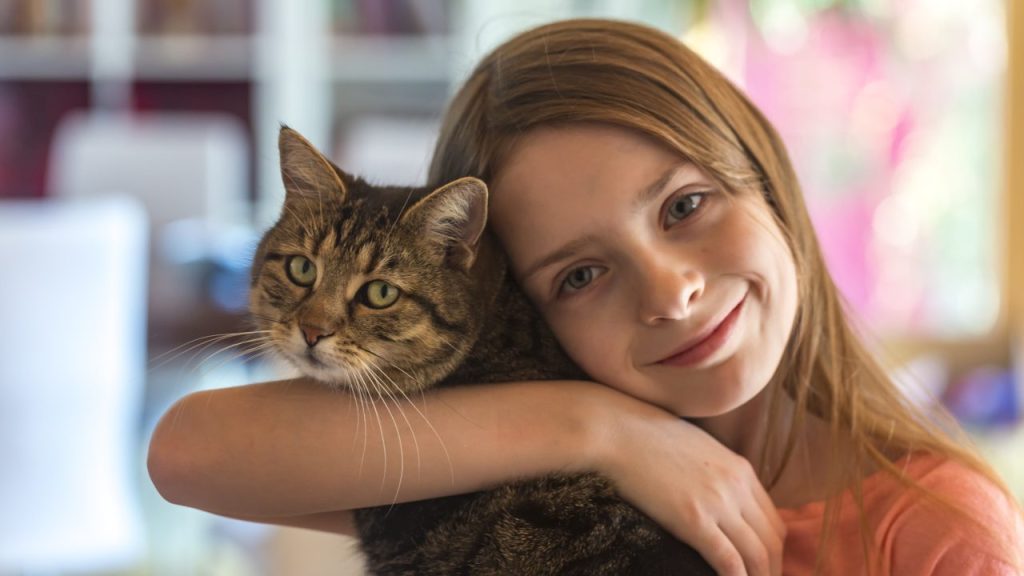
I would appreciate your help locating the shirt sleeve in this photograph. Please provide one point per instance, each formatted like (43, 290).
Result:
(926, 538)
(971, 563)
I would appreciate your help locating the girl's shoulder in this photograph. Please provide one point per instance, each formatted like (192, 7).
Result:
(943, 477)
(980, 530)
(912, 531)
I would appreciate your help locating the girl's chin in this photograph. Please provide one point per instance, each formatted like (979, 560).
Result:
(710, 397)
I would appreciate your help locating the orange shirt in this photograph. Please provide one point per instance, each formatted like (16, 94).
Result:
(913, 538)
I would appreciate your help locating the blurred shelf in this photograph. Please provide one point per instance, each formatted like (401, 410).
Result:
(45, 57)
(390, 59)
(354, 59)
(194, 57)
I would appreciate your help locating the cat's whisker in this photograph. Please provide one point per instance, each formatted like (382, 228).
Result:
(185, 348)
(261, 344)
(267, 352)
(177, 416)
(376, 373)
(195, 341)
(380, 428)
(258, 351)
(261, 338)
(200, 348)
(395, 366)
(263, 348)
(320, 200)
(364, 401)
(444, 447)
(398, 215)
(261, 341)
(362, 417)
(194, 365)
(382, 394)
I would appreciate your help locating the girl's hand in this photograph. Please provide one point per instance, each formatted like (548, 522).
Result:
(692, 485)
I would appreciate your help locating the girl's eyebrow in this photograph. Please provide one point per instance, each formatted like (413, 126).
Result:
(651, 192)
(566, 252)
(646, 195)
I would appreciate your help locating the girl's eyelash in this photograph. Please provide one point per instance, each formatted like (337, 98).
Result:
(701, 198)
(563, 282)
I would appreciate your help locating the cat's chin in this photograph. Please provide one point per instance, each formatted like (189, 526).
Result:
(327, 374)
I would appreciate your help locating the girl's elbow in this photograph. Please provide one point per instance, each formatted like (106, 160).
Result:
(164, 473)
(172, 462)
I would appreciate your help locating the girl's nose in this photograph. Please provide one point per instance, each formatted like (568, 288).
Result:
(668, 292)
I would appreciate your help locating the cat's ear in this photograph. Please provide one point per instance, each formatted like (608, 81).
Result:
(453, 216)
(307, 174)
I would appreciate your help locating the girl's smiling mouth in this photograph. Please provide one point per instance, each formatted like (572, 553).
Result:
(707, 343)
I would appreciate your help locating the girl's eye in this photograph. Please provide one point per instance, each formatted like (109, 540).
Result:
(683, 206)
(301, 270)
(378, 294)
(580, 278)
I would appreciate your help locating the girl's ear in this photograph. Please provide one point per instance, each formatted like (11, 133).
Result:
(307, 174)
(452, 217)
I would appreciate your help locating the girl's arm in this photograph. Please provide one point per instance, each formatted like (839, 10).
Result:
(295, 447)
(340, 522)
(297, 453)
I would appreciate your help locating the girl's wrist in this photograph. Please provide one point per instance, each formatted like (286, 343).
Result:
(615, 426)
(603, 417)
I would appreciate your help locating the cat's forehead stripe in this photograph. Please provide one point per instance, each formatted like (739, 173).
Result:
(330, 237)
(341, 230)
(322, 233)
(365, 258)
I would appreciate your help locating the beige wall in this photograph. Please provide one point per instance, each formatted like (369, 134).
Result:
(1014, 162)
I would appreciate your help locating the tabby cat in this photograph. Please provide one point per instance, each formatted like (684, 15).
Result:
(405, 280)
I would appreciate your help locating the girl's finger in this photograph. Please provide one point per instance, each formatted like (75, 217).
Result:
(717, 550)
(748, 542)
(769, 537)
(770, 511)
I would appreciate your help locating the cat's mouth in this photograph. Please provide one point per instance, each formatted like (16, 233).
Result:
(310, 356)
(315, 366)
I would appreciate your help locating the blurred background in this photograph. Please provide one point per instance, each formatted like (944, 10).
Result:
(138, 167)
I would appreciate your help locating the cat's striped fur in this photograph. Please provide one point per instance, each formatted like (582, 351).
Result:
(457, 319)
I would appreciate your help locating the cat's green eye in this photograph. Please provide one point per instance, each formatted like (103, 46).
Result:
(301, 270)
(379, 294)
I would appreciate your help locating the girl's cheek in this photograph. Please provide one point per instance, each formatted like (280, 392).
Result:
(580, 339)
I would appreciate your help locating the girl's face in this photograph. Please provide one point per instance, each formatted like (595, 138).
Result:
(654, 279)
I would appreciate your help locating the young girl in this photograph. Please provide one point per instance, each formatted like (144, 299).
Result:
(651, 213)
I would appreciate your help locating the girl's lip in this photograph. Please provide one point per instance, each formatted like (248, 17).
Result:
(707, 344)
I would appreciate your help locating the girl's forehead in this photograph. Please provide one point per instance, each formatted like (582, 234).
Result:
(550, 166)
(562, 185)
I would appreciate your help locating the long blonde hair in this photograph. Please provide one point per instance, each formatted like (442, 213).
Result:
(632, 76)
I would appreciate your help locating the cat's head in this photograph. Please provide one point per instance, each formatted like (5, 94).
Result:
(367, 287)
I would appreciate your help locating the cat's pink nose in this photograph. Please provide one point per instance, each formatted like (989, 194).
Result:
(313, 334)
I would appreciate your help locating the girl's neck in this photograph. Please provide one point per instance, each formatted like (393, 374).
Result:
(743, 431)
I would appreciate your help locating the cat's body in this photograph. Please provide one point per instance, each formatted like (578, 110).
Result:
(554, 525)
(489, 331)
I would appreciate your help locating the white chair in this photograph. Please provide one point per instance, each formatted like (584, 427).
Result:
(189, 170)
(179, 165)
(72, 363)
